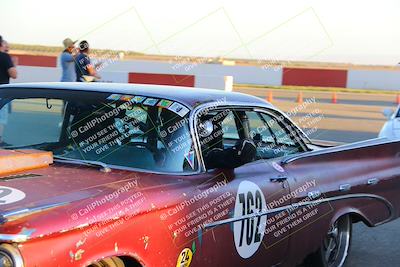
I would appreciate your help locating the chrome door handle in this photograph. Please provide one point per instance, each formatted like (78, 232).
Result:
(278, 179)
(344, 187)
(314, 194)
(372, 181)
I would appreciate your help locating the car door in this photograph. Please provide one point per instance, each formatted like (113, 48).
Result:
(257, 187)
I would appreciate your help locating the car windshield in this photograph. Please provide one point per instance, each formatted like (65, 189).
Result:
(120, 130)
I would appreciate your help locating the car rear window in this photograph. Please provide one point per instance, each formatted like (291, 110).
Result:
(124, 130)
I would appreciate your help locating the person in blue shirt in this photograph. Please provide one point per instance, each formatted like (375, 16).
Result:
(85, 71)
(68, 61)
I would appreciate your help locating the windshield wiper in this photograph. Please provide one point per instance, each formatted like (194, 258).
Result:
(93, 163)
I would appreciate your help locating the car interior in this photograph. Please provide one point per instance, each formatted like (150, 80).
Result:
(231, 127)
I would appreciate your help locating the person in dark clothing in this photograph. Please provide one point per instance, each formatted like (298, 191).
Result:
(85, 71)
(5, 47)
(7, 71)
(7, 68)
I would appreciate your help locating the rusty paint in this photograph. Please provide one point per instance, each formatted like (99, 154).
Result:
(80, 242)
(71, 255)
(26, 231)
(146, 241)
(78, 254)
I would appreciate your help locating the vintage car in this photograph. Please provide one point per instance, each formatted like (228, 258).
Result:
(391, 128)
(122, 175)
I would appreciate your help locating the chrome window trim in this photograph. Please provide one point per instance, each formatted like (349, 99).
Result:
(193, 117)
(307, 203)
(13, 238)
(15, 214)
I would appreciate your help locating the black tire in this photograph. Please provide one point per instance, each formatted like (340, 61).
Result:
(336, 245)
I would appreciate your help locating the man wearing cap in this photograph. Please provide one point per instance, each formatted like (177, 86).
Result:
(68, 61)
(85, 70)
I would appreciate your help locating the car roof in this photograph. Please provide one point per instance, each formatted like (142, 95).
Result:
(189, 96)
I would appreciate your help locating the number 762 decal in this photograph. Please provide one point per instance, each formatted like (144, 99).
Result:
(248, 233)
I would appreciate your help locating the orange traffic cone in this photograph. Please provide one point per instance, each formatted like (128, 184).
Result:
(398, 100)
(300, 98)
(334, 98)
(270, 97)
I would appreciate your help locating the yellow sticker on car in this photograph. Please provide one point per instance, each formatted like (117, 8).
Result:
(185, 258)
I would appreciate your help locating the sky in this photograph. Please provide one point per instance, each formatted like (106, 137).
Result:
(346, 31)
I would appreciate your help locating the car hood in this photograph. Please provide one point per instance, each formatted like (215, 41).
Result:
(55, 184)
(63, 194)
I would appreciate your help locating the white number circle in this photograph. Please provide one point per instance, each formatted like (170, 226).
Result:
(249, 233)
(10, 195)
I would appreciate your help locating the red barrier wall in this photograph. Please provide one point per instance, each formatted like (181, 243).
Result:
(162, 79)
(314, 77)
(37, 61)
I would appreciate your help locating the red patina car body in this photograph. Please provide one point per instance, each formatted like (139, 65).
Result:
(77, 215)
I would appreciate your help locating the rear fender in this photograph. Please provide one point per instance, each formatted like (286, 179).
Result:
(355, 214)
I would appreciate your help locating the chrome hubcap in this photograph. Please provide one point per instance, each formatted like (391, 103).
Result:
(337, 242)
(331, 244)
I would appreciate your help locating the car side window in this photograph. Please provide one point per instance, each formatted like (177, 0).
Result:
(230, 134)
(271, 136)
(222, 129)
(218, 130)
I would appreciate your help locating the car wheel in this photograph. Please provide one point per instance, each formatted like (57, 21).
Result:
(335, 247)
(109, 262)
